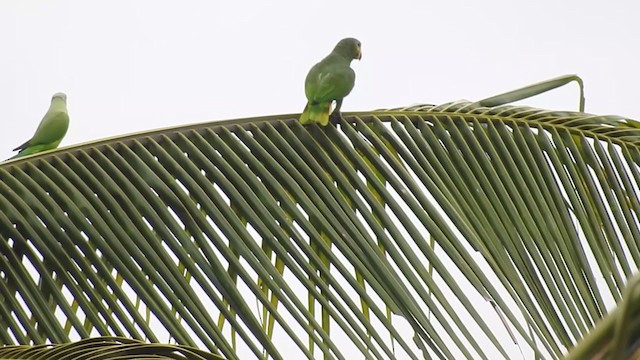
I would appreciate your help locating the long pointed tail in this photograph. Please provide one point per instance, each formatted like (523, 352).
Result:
(14, 157)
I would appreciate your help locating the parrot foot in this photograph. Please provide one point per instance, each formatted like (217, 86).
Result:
(336, 116)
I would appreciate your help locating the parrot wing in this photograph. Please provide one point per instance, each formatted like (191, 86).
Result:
(51, 130)
(327, 82)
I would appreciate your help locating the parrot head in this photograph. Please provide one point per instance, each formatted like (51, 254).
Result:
(350, 47)
(61, 96)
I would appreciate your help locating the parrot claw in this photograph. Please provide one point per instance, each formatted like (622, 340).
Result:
(336, 116)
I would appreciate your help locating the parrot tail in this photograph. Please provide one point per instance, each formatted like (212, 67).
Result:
(14, 156)
(23, 146)
(316, 113)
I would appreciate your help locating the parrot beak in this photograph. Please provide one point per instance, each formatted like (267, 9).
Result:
(359, 55)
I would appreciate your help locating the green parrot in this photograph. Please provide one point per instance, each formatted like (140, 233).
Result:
(51, 130)
(330, 79)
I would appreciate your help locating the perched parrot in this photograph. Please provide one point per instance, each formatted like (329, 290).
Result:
(51, 130)
(330, 79)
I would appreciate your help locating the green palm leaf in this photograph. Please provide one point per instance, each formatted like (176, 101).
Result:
(461, 227)
(105, 347)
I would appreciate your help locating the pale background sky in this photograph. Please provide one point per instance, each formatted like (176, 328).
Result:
(130, 66)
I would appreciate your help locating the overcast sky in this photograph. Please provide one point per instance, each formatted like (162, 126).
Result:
(130, 66)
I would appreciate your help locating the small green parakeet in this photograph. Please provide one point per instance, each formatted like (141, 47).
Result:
(330, 79)
(51, 130)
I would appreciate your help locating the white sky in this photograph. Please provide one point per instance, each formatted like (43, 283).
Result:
(130, 66)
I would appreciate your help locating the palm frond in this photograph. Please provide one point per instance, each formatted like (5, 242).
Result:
(105, 348)
(617, 335)
(444, 231)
